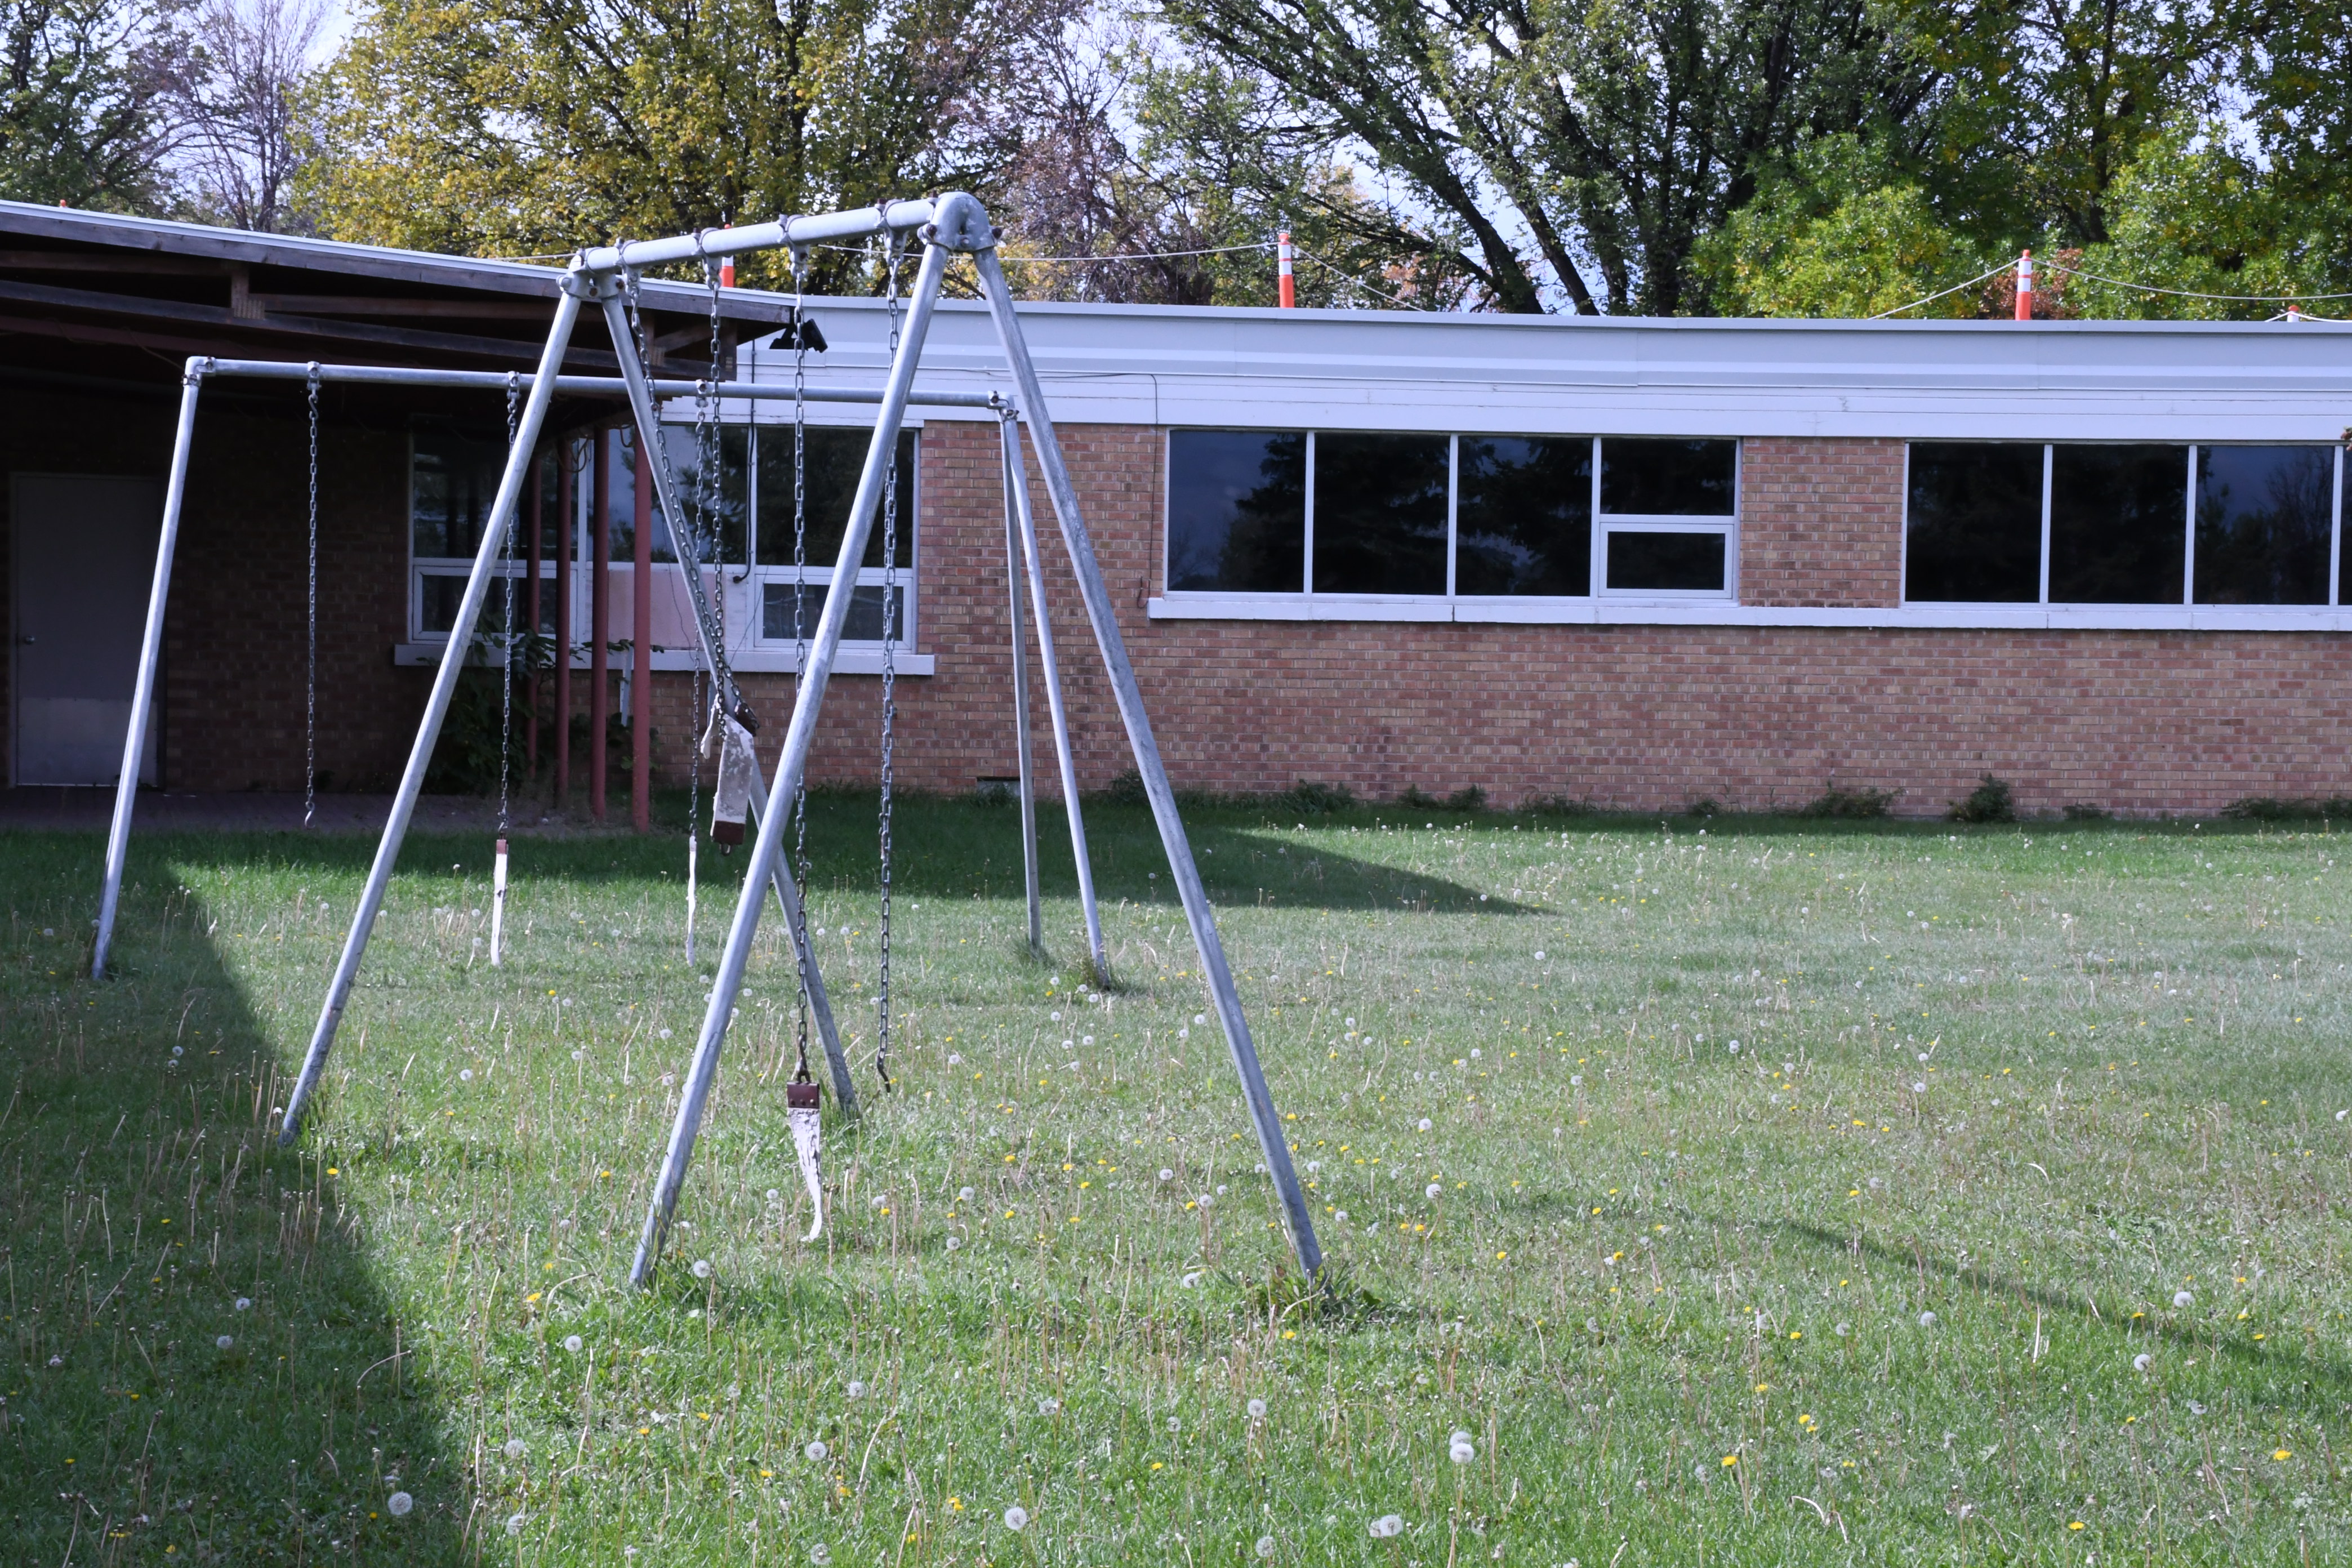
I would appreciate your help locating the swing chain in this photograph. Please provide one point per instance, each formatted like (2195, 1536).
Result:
(894, 250)
(505, 575)
(310, 653)
(799, 258)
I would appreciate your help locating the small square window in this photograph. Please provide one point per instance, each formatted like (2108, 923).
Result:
(1641, 560)
(1650, 477)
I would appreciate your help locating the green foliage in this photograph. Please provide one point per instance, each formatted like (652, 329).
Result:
(85, 90)
(1306, 798)
(1469, 798)
(2084, 811)
(2272, 808)
(515, 127)
(1988, 802)
(1849, 803)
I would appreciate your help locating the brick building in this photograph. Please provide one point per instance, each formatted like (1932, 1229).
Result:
(1636, 561)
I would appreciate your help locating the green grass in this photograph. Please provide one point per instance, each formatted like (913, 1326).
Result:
(1648, 1256)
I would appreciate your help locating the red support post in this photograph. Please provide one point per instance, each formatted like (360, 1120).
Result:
(531, 605)
(641, 651)
(1288, 289)
(567, 507)
(599, 618)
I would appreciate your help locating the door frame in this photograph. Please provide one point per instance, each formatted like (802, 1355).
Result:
(153, 751)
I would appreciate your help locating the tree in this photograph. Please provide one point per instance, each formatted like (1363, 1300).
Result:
(242, 144)
(1551, 150)
(85, 92)
(525, 126)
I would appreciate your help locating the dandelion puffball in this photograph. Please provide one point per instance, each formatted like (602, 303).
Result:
(1266, 1546)
(245, 1303)
(1192, 1279)
(514, 1524)
(1735, 1048)
(820, 1555)
(1166, 1175)
(1048, 1406)
(953, 1243)
(702, 1268)
(398, 1504)
(572, 1344)
(1539, 955)
(1926, 1320)
(1426, 1124)
(1843, 1330)
(955, 1059)
(223, 1342)
(514, 1448)
(1257, 1409)
(1918, 1089)
(815, 1452)
(465, 1075)
(1016, 1519)
(1386, 1525)
(964, 1195)
(2142, 1362)
(1057, 1017)
(1434, 1190)
(2183, 1298)
(1462, 1451)
(1184, 1034)
(1206, 1201)
(1576, 1081)
(1341, 1215)
(857, 1390)
(1200, 1017)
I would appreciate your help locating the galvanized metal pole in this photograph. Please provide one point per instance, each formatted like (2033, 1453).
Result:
(1011, 456)
(705, 626)
(768, 849)
(150, 653)
(1096, 959)
(1187, 876)
(436, 708)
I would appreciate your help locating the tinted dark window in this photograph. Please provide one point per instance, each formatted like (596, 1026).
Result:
(719, 516)
(1647, 477)
(1523, 515)
(1380, 514)
(2264, 516)
(2118, 524)
(1237, 511)
(836, 456)
(453, 480)
(1975, 523)
(1666, 562)
(776, 607)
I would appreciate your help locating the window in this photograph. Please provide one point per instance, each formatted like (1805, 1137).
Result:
(1523, 516)
(2265, 519)
(1236, 511)
(745, 507)
(2118, 524)
(1425, 516)
(2085, 523)
(792, 597)
(1974, 531)
(1653, 492)
(1379, 513)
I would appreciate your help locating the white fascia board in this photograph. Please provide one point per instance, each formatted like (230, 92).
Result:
(2099, 381)
(1609, 612)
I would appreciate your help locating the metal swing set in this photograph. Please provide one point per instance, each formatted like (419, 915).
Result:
(604, 277)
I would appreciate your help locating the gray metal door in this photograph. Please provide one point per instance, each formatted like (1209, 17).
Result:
(84, 554)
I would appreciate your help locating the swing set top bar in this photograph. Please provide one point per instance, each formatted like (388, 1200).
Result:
(784, 233)
(585, 385)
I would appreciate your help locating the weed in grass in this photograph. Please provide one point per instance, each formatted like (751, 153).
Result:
(1988, 802)
(1849, 803)
(2018, 1207)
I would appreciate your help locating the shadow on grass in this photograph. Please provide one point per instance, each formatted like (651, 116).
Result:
(147, 1200)
(2285, 1379)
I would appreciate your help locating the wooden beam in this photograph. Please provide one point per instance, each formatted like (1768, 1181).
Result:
(366, 305)
(95, 262)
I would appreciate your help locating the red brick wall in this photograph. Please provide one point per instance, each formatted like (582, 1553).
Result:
(1821, 522)
(1640, 717)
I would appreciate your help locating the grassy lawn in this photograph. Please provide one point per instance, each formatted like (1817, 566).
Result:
(2010, 1230)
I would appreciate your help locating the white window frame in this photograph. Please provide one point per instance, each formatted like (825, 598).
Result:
(2257, 616)
(1727, 527)
(740, 583)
